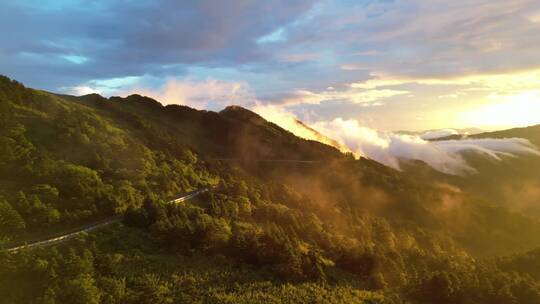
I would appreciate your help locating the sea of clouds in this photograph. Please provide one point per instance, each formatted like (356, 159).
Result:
(390, 148)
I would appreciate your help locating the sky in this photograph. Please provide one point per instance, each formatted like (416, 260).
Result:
(386, 65)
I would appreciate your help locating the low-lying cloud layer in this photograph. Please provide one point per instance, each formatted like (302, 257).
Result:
(434, 134)
(389, 148)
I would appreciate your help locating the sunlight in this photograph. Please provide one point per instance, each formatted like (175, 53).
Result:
(521, 109)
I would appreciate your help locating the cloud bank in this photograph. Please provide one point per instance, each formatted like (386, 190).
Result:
(390, 148)
(434, 134)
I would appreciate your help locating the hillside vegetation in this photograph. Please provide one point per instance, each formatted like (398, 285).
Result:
(337, 230)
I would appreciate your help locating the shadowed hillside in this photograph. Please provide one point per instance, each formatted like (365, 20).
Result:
(233, 132)
(512, 182)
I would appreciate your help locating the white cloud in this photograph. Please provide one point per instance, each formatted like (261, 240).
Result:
(201, 94)
(351, 67)
(508, 110)
(389, 148)
(76, 59)
(291, 123)
(438, 134)
(363, 97)
(493, 147)
(80, 90)
(503, 81)
(445, 156)
(108, 86)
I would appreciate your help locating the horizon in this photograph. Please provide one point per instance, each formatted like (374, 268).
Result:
(462, 131)
(388, 65)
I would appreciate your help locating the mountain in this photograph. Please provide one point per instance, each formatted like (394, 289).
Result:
(285, 220)
(532, 133)
(320, 137)
(512, 182)
(436, 134)
(232, 133)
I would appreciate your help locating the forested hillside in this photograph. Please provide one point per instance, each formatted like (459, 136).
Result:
(334, 230)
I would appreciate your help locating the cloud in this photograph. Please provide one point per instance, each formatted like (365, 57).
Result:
(523, 196)
(80, 90)
(107, 87)
(534, 17)
(201, 94)
(390, 148)
(503, 81)
(492, 147)
(351, 67)
(506, 109)
(374, 53)
(353, 95)
(348, 135)
(131, 38)
(290, 122)
(299, 57)
(438, 134)
(429, 38)
(445, 156)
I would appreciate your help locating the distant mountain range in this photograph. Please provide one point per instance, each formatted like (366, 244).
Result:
(531, 133)
(442, 133)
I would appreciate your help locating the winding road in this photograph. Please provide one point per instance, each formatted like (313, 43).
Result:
(97, 225)
(299, 161)
(88, 228)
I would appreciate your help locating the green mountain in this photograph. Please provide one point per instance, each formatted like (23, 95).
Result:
(287, 220)
(233, 132)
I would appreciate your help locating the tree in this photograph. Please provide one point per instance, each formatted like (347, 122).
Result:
(217, 234)
(81, 290)
(437, 289)
(114, 290)
(11, 222)
(46, 193)
(152, 290)
(189, 157)
(76, 181)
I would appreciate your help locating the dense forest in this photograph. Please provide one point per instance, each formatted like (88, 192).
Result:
(332, 230)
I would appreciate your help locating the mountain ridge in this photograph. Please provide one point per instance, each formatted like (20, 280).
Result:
(352, 229)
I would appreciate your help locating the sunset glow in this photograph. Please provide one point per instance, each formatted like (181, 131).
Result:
(506, 111)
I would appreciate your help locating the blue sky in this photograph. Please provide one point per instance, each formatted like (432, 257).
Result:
(390, 65)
